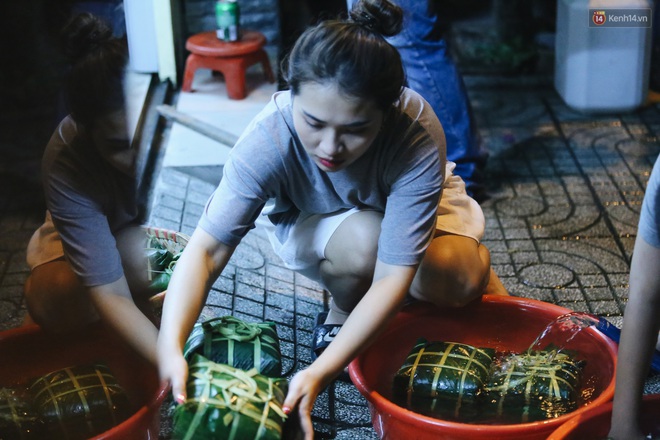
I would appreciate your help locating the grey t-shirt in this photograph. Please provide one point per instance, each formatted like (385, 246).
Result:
(649, 221)
(89, 201)
(401, 175)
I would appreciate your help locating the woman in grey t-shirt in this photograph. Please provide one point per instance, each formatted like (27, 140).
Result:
(350, 168)
(88, 259)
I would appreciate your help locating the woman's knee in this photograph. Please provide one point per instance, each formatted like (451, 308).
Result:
(56, 300)
(353, 248)
(453, 274)
(449, 290)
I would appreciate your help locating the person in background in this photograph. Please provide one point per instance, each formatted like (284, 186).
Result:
(432, 72)
(350, 168)
(88, 259)
(641, 320)
(298, 15)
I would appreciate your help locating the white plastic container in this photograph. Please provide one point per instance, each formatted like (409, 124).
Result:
(141, 34)
(602, 69)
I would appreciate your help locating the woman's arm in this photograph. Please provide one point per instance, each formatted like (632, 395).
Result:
(115, 305)
(366, 321)
(638, 338)
(200, 264)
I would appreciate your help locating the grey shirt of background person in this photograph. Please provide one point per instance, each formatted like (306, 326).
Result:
(89, 200)
(649, 220)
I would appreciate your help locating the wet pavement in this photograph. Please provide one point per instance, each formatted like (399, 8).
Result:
(565, 194)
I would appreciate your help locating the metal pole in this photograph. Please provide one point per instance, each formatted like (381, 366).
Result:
(211, 131)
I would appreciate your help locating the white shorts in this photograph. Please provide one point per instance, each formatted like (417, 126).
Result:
(304, 249)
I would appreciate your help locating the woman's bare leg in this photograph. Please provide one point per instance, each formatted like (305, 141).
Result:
(348, 269)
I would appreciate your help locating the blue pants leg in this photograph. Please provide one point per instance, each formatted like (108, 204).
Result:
(431, 72)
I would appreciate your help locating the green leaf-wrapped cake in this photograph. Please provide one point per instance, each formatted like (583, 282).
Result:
(534, 386)
(79, 402)
(18, 419)
(443, 378)
(226, 403)
(232, 341)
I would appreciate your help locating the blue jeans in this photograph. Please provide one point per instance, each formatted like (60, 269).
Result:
(432, 73)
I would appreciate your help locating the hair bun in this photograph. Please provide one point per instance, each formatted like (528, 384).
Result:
(379, 16)
(84, 34)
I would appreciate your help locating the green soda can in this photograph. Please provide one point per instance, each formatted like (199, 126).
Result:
(227, 15)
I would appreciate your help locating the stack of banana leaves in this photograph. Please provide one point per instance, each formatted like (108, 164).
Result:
(237, 343)
(228, 403)
(234, 389)
(161, 262)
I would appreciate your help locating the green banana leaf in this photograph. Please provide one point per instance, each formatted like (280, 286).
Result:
(161, 263)
(226, 403)
(232, 341)
(79, 402)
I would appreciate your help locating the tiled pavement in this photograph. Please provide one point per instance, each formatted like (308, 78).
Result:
(565, 190)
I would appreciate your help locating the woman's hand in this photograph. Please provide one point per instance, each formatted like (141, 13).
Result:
(173, 369)
(115, 305)
(366, 321)
(198, 267)
(303, 390)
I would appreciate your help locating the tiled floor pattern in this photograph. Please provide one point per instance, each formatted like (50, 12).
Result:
(565, 189)
(566, 199)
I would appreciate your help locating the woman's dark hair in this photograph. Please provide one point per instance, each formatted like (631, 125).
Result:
(353, 54)
(94, 83)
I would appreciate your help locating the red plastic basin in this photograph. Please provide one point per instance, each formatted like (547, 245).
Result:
(500, 322)
(594, 424)
(28, 352)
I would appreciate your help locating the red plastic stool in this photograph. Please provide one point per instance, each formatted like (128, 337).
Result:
(229, 58)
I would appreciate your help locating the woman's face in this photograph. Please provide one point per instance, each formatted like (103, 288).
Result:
(334, 129)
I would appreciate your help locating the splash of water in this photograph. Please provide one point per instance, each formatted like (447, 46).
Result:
(549, 344)
(560, 332)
